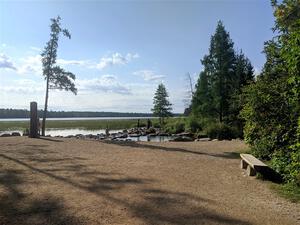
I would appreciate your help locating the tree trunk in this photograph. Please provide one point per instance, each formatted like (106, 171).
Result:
(45, 108)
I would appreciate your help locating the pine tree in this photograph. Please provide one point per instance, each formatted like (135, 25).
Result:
(219, 87)
(201, 102)
(56, 77)
(218, 78)
(222, 58)
(162, 107)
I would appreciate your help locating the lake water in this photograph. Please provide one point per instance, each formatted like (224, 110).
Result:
(81, 118)
(74, 131)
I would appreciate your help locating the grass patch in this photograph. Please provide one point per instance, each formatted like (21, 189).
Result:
(289, 191)
(83, 124)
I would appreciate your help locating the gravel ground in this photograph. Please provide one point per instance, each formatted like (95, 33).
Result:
(69, 181)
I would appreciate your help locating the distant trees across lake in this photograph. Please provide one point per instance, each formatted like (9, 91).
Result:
(23, 113)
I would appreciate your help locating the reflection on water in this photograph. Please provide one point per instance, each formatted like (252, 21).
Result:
(149, 138)
(67, 132)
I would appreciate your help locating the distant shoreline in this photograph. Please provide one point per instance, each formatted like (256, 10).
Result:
(82, 118)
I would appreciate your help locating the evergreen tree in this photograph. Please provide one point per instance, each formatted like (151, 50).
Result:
(218, 77)
(244, 73)
(222, 57)
(201, 102)
(56, 77)
(162, 107)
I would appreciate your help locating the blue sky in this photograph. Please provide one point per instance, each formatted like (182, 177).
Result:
(121, 50)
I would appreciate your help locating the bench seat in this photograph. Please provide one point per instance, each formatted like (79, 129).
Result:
(252, 164)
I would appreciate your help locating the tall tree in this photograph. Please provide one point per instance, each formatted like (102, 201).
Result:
(219, 75)
(161, 105)
(56, 77)
(244, 75)
(222, 59)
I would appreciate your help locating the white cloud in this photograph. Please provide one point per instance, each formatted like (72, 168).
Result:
(73, 62)
(116, 59)
(31, 65)
(6, 63)
(23, 86)
(149, 75)
(106, 83)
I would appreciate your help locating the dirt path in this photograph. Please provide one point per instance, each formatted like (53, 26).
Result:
(64, 181)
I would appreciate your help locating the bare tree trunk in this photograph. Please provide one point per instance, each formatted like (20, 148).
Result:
(45, 107)
(191, 84)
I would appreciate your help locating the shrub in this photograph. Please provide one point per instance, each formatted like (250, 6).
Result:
(221, 131)
(175, 127)
(193, 125)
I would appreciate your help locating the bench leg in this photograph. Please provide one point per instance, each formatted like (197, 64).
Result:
(243, 164)
(250, 171)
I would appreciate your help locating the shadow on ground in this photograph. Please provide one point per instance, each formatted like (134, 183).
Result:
(152, 206)
(149, 146)
(17, 207)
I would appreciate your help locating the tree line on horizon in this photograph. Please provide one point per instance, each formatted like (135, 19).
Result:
(24, 113)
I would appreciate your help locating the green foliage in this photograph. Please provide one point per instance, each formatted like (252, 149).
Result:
(221, 131)
(217, 82)
(193, 125)
(175, 127)
(57, 77)
(218, 90)
(162, 107)
(271, 108)
(290, 191)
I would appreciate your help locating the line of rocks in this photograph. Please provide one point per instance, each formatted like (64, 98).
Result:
(125, 135)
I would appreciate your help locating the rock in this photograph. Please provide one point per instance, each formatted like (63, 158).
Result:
(69, 136)
(5, 135)
(150, 131)
(185, 134)
(182, 138)
(15, 134)
(134, 135)
(204, 139)
(214, 140)
(122, 135)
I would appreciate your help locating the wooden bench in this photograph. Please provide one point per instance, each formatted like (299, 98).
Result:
(252, 164)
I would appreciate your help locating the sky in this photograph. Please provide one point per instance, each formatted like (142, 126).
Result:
(121, 50)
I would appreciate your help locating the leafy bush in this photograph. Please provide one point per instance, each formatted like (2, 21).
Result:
(193, 125)
(221, 131)
(175, 127)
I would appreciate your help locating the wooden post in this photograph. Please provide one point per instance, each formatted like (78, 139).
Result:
(33, 133)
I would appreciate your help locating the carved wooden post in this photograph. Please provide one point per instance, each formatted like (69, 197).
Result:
(33, 133)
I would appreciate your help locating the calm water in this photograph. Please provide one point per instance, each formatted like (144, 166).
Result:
(81, 118)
